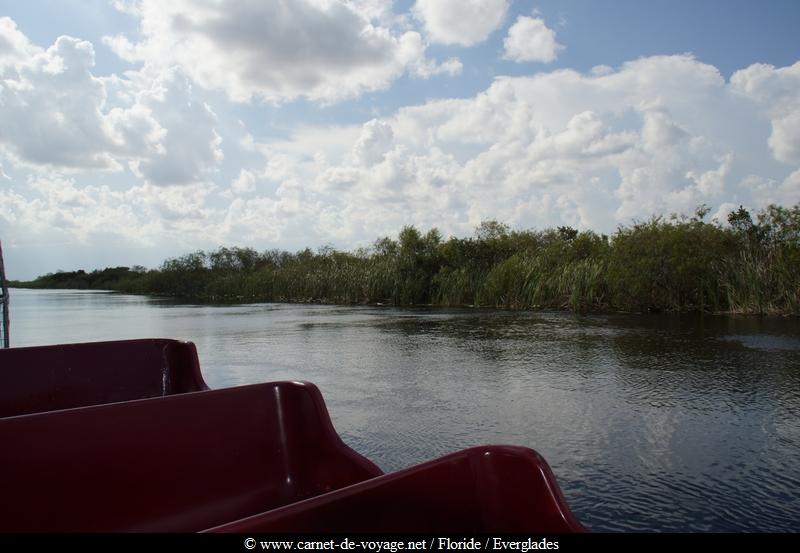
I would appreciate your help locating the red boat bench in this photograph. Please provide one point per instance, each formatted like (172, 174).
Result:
(482, 489)
(47, 378)
(181, 463)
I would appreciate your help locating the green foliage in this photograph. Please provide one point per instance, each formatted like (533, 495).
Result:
(104, 279)
(748, 265)
(762, 276)
(668, 265)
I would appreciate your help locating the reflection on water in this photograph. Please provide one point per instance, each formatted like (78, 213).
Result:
(649, 422)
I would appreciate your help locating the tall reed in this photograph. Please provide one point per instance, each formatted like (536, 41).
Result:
(662, 264)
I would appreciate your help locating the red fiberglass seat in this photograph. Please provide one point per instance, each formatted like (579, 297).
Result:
(47, 378)
(482, 489)
(180, 463)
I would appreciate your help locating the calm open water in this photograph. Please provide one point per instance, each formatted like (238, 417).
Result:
(650, 423)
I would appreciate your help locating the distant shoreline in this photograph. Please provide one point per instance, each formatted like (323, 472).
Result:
(244, 301)
(676, 264)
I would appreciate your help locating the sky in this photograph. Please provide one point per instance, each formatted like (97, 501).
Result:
(136, 130)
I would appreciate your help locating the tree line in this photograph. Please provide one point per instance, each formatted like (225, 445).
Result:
(676, 263)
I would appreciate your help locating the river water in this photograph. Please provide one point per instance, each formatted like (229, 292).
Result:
(650, 422)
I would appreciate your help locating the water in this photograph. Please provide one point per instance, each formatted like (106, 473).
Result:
(650, 423)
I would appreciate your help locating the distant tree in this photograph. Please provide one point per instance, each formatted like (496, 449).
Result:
(741, 221)
(567, 233)
(491, 229)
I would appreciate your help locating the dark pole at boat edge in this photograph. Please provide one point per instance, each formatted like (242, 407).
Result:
(4, 299)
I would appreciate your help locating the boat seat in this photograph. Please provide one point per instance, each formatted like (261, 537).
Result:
(477, 490)
(47, 378)
(180, 463)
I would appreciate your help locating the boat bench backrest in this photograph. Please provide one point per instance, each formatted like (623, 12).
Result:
(47, 378)
(179, 463)
(477, 490)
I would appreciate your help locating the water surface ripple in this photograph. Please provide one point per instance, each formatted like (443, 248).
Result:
(650, 423)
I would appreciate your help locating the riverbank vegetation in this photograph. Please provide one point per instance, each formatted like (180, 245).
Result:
(749, 265)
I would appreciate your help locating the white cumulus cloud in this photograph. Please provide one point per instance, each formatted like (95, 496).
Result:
(189, 151)
(529, 39)
(136, 160)
(245, 183)
(776, 92)
(51, 107)
(590, 150)
(375, 140)
(462, 22)
(56, 114)
(324, 50)
(14, 45)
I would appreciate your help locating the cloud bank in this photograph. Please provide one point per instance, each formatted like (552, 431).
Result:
(145, 161)
(279, 50)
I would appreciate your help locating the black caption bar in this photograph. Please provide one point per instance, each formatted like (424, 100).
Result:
(381, 543)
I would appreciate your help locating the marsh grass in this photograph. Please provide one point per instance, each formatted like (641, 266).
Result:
(663, 264)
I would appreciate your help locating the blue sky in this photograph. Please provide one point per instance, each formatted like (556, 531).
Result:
(134, 130)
